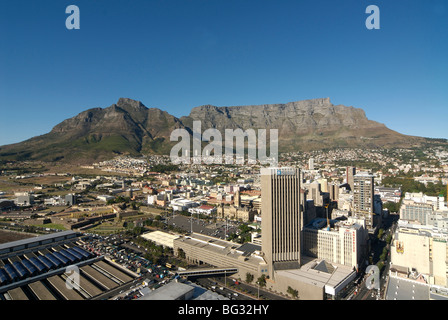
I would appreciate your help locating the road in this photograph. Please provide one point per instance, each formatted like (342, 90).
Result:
(251, 292)
(363, 293)
(117, 291)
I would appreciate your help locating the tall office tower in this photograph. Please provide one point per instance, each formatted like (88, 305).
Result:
(315, 193)
(280, 218)
(323, 184)
(334, 191)
(363, 193)
(351, 172)
(311, 163)
(237, 199)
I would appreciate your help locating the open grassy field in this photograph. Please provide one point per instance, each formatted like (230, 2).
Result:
(11, 185)
(109, 227)
(74, 169)
(54, 226)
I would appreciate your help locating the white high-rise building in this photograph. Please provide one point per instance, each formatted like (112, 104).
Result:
(311, 163)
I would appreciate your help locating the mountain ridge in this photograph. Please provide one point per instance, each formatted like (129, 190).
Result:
(129, 127)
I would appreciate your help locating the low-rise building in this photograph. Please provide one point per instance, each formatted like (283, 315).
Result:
(424, 209)
(388, 194)
(204, 209)
(340, 241)
(316, 279)
(422, 249)
(104, 197)
(236, 213)
(24, 199)
(181, 204)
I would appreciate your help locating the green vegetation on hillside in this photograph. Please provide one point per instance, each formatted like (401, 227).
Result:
(410, 185)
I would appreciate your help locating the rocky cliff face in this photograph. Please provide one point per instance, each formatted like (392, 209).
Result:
(302, 125)
(129, 127)
(301, 116)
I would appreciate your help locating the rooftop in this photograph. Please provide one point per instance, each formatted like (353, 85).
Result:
(400, 288)
(205, 207)
(225, 248)
(177, 290)
(161, 238)
(249, 248)
(35, 239)
(324, 266)
(170, 291)
(333, 277)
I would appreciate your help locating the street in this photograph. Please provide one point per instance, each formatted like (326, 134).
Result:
(360, 291)
(240, 291)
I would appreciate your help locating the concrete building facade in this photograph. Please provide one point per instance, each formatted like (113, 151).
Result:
(342, 243)
(281, 215)
(363, 196)
(422, 249)
(236, 213)
(350, 174)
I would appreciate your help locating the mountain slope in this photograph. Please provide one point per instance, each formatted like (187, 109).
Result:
(129, 127)
(304, 125)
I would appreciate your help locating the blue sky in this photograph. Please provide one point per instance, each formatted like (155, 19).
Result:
(179, 54)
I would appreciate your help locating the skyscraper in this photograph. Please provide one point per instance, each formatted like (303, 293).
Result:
(280, 218)
(334, 191)
(315, 193)
(350, 173)
(363, 193)
(311, 163)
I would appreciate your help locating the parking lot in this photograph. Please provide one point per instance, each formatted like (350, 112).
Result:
(128, 254)
(123, 252)
(216, 229)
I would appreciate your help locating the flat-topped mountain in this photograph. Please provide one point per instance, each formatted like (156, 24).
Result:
(129, 127)
(304, 125)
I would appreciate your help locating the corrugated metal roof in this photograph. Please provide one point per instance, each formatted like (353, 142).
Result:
(35, 239)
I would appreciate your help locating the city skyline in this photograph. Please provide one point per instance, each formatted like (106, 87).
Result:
(297, 231)
(178, 55)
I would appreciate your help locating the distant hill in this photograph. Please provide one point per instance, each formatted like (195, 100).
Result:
(129, 127)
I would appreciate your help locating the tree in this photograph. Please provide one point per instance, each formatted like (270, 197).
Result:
(181, 253)
(380, 233)
(380, 265)
(249, 277)
(384, 254)
(294, 293)
(388, 239)
(262, 280)
(134, 206)
(391, 206)
(138, 231)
